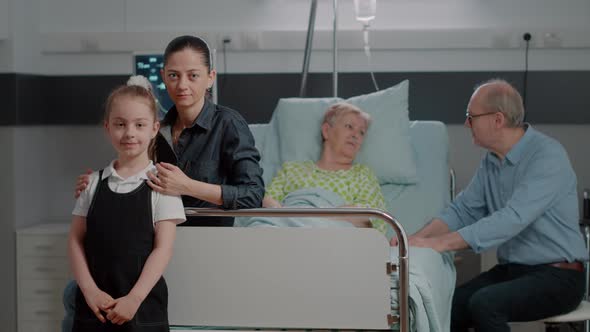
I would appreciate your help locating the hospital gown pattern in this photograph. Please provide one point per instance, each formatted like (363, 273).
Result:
(357, 186)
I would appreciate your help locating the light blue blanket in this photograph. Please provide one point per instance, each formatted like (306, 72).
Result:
(302, 198)
(432, 275)
(432, 284)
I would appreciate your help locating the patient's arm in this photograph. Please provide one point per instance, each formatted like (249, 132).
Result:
(362, 222)
(275, 192)
(269, 202)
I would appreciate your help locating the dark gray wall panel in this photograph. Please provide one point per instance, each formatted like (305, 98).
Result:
(32, 105)
(552, 97)
(559, 97)
(79, 99)
(8, 98)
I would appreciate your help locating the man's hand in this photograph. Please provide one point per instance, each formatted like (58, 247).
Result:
(82, 183)
(428, 242)
(124, 309)
(431, 236)
(99, 302)
(418, 241)
(393, 242)
(170, 180)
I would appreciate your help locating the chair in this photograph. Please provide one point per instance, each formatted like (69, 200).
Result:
(582, 312)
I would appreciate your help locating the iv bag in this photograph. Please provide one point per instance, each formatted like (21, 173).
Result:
(365, 10)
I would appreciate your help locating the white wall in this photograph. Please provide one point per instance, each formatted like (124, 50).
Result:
(25, 36)
(4, 23)
(97, 37)
(47, 161)
(5, 34)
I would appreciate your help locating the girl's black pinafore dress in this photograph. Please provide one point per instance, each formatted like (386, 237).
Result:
(119, 239)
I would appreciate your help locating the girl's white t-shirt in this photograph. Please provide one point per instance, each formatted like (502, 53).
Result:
(164, 207)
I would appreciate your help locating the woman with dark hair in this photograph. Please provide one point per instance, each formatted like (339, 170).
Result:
(205, 152)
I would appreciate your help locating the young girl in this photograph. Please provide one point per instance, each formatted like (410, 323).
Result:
(122, 233)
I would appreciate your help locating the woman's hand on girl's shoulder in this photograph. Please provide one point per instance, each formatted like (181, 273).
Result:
(82, 183)
(170, 180)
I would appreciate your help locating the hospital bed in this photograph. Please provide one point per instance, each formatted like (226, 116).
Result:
(320, 278)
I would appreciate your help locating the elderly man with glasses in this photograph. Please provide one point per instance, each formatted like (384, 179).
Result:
(523, 201)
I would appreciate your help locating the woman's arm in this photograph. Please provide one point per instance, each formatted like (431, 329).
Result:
(96, 299)
(361, 222)
(244, 187)
(269, 202)
(124, 308)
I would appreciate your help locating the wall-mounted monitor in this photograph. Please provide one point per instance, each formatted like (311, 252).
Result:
(149, 65)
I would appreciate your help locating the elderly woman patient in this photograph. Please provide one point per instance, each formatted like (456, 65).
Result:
(333, 180)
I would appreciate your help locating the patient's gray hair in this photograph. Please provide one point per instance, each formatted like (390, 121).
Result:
(342, 108)
(501, 96)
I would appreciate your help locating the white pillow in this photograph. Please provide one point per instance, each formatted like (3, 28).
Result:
(295, 134)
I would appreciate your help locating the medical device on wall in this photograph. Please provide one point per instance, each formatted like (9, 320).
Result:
(365, 11)
(149, 65)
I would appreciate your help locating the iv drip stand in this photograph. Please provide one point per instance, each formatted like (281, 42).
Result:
(308, 45)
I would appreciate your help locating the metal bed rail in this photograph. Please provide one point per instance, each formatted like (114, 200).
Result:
(403, 255)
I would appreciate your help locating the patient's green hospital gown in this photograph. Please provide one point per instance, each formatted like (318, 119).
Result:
(358, 185)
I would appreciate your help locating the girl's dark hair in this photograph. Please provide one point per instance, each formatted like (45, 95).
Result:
(194, 43)
(139, 92)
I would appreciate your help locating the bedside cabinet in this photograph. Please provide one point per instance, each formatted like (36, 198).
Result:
(42, 273)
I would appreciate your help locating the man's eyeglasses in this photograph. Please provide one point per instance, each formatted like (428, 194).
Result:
(471, 117)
